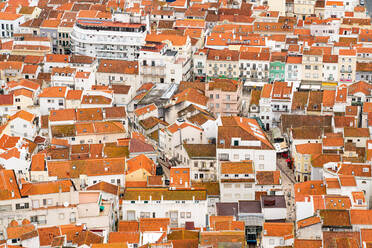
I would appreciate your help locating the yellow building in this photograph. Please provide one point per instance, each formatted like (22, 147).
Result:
(302, 159)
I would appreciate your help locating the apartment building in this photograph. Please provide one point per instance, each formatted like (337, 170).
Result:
(254, 67)
(237, 181)
(107, 39)
(312, 66)
(240, 139)
(222, 64)
(224, 97)
(9, 24)
(158, 63)
(347, 65)
(180, 205)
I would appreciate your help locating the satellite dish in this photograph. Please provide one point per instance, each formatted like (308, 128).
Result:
(65, 204)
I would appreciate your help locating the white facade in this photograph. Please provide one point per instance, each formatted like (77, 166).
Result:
(10, 24)
(106, 39)
(179, 211)
(265, 160)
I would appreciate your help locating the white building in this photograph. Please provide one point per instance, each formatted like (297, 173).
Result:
(107, 39)
(180, 205)
(52, 98)
(237, 181)
(242, 139)
(9, 24)
(158, 63)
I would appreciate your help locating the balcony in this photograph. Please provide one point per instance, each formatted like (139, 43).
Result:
(199, 66)
(204, 169)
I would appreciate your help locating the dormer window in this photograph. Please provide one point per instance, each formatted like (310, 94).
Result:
(228, 58)
(216, 57)
(222, 141)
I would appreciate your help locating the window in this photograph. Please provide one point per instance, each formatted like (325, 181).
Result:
(35, 203)
(217, 96)
(261, 157)
(247, 185)
(237, 185)
(211, 96)
(182, 215)
(227, 186)
(61, 216)
(261, 166)
(247, 157)
(217, 105)
(228, 97)
(271, 241)
(236, 156)
(224, 156)
(188, 215)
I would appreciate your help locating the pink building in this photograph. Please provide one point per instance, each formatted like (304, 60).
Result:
(224, 96)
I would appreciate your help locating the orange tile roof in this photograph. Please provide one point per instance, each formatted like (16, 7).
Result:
(124, 237)
(145, 109)
(266, 91)
(329, 98)
(308, 222)
(70, 230)
(346, 52)
(74, 95)
(314, 187)
(47, 234)
(54, 92)
(333, 141)
(191, 95)
(333, 183)
(334, 3)
(243, 167)
(8, 186)
(23, 92)
(366, 235)
(347, 181)
(337, 202)
(358, 195)
(23, 115)
(15, 231)
(307, 243)
(361, 217)
(57, 58)
(128, 226)
(153, 224)
(6, 16)
(284, 230)
(41, 188)
(309, 148)
(140, 162)
(176, 40)
(38, 162)
(89, 167)
(62, 115)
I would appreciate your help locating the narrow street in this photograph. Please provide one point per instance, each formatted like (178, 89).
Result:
(288, 188)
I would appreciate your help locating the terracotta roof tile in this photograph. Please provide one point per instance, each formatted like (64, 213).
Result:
(284, 230)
